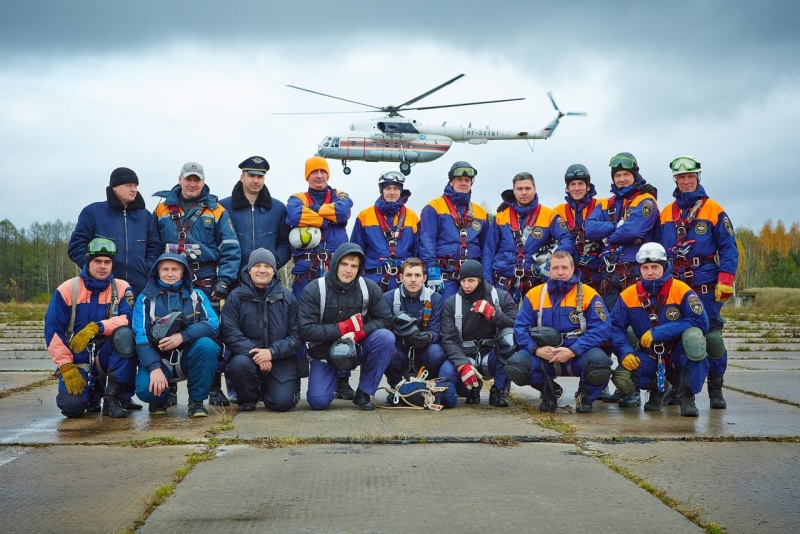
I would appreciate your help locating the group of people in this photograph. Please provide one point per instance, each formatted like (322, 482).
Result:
(192, 292)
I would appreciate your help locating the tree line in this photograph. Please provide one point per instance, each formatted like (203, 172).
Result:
(33, 260)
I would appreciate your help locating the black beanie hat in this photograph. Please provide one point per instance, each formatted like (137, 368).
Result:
(123, 175)
(471, 268)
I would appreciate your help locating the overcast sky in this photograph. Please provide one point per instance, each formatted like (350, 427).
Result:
(88, 86)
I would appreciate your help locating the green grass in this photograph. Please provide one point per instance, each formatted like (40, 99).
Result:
(12, 312)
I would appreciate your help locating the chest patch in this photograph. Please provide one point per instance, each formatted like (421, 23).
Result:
(701, 228)
(537, 233)
(673, 314)
(574, 317)
(208, 221)
(476, 225)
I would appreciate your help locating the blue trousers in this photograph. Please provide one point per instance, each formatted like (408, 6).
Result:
(252, 384)
(574, 367)
(376, 350)
(199, 360)
(693, 373)
(431, 357)
(496, 368)
(122, 369)
(450, 288)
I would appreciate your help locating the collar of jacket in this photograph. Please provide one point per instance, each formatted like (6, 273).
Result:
(272, 293)
(239, 200)
(113, 201)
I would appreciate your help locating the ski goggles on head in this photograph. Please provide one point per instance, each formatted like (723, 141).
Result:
(621, 160)
(101, 245)
(573, 175)
(684, 164)
(392, 176)
(463, 171)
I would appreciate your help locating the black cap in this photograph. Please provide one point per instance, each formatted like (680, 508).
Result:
(123, 175)
(470, 269)
(255, 165)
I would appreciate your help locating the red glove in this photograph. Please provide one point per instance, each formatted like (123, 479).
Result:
(468, 376)
(354, 324)
(483, 307)
(724, 289)
(360, 336)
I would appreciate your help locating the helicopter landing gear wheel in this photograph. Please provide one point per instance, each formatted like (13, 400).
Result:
(405, 168)
(345, 168)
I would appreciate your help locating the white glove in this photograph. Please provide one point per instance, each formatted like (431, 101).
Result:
(192, 251)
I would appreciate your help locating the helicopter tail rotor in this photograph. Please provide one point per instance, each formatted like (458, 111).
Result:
(564, 113)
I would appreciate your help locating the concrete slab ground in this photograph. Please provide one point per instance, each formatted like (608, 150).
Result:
(765, 365)
(402, 488)
(725, 480)
(776, 384)
(81, 489)
(27, 364)
(13, 380)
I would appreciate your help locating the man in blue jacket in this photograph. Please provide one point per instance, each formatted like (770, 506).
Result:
(181, 346)
(257, 217)
(259, 326)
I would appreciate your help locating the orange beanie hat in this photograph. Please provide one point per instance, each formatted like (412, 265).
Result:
(316, 163)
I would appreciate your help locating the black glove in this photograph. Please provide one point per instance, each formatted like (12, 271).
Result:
(220, 290)
(420, 339)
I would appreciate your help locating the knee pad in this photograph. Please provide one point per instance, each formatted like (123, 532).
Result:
(694, 344)
(623, 380)
(597, 373)
(715, 345)
(124, 342)
(633, 341)
(519, 369)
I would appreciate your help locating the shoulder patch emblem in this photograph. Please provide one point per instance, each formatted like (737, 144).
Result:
(476, 225)
(129, 298)
(695, 305)
(728, 226)
(574, 317)
(600, 311)
(673, 313)
(537, 233)
(701, 228)
(342, 196)
(563, 224)
(647, 208)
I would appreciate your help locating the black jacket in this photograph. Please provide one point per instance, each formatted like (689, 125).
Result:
(475, 327)
(258, 321)
(341, 302)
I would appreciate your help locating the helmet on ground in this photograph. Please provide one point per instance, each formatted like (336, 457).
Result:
(504, 343)
(652, 253)
(462, 168)
(343, 355)
(404, 325)
(577, 171)
(302, 237)
(683, 165)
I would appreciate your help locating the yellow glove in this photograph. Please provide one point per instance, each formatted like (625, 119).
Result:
(73, 379)
(646, 340)
(724, 289)
(630, 362)
(81, 339)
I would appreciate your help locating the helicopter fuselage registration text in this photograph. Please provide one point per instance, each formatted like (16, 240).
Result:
(483, 133)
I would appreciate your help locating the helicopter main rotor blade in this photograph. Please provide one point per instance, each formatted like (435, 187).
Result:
(323, 112)
(336, 97)
(465, 104)
(420, 97)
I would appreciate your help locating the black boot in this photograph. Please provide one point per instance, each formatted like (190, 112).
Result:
(216, 397)
(111, 403)
(343, 389)
(674, 397)
(474, 394)
(715, 392)
(172, 399)
(656, 398)
(582, 404)
(497, 397)
(363, 401)
(549, 400)
(631, 399)
(688, 407)
(611, 397)
(128, 404)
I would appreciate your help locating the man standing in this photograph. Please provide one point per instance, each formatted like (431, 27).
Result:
(124, 219)
(259, 327)
(257, 217)
(191, 222)
(699, 239)
(521, 238)
(668, 319)
(452, 229)
(576, 316)
(471, 321)
(418, 310)
(387, 232)
(97, 308)
(175, 327)
(345, 320)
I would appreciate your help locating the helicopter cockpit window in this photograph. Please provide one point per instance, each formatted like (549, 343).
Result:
(335, 142)
(327, 142)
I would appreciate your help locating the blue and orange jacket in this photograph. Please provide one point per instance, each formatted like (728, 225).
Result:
(559, 312)
(575, 214)
(213, 231)
(416, 307)
(439, 235)
(92, 306)
(639, 212)
(158, 300)
(368, 234)
(711, 234)
(682, 309)
(328, 210)
(500, 249)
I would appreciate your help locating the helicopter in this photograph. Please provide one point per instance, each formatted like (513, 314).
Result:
(399, 139)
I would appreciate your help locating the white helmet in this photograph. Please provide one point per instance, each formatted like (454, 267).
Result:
(304, 237)
(651, 253)
(684, 165)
